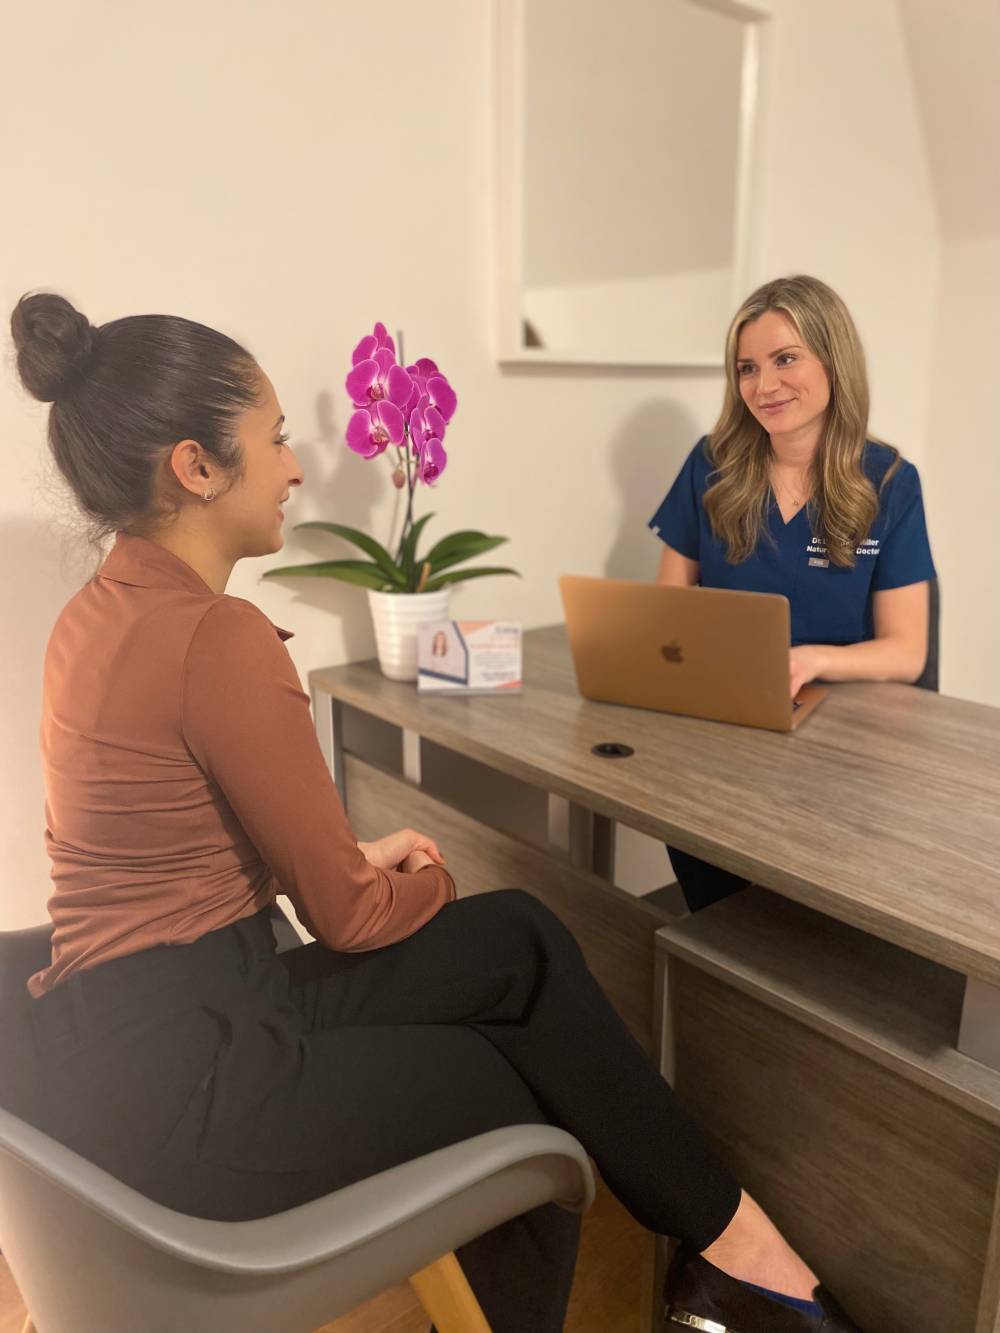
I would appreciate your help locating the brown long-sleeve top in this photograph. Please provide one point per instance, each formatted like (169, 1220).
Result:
(185, 786)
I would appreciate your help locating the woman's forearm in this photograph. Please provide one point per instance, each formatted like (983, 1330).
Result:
(884, 659)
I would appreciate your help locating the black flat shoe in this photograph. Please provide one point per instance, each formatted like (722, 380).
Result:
(700, 1296)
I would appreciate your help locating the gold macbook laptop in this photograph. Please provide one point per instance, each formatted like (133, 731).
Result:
(703, 652)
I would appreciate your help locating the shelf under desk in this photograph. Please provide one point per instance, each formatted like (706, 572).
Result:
(823, 1060)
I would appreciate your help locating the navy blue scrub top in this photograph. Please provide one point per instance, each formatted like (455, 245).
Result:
(828, 604)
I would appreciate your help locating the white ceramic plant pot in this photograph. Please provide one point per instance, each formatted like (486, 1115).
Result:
(397, 616)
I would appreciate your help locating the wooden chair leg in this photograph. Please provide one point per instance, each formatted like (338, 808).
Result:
(444, 1292)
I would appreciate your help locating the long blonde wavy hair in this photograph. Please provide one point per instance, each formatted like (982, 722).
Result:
(843, 504)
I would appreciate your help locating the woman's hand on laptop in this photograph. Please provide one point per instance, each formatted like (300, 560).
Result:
(390, 852)
(805, 664)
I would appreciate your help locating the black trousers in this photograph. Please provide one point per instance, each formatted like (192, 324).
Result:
(703, 884)
(228, 1081)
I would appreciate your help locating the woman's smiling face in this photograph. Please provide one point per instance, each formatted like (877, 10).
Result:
(783, 383)
(251, 508)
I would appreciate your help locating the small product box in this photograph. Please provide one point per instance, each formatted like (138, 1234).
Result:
(469, 656)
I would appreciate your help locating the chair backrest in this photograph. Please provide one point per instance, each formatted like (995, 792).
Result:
(929, 678)
(22, 953)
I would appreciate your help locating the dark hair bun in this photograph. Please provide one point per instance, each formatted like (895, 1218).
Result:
(54, 343)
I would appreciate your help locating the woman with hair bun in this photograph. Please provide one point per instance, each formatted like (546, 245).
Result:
(185, 788)
(790, 494)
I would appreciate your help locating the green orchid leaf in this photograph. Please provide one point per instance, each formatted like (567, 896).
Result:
(461, 553)
(460, 576)
(361, 539)
(408, 551)
(461, 546)
(359, 572)
(446, 544)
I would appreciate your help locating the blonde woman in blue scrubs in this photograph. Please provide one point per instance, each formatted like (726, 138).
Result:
(790, 495)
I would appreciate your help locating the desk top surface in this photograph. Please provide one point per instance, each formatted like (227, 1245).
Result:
(883, 810)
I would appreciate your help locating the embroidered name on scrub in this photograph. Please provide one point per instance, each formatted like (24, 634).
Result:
(817, 549)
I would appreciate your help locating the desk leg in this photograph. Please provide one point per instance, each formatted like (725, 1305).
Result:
(569, 830)
(604, 848)
(588, 840)
(659, 1248)
(330, 733)
(411, 756)
(979, 1034)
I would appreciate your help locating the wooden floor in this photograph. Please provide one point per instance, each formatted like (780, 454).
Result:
(605, 1296)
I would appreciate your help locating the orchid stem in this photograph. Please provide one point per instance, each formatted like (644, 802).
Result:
(410, 478)
(404, 451)
(398, 497)
(408, 520)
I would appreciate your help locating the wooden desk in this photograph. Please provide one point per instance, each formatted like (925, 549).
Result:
(882, 813)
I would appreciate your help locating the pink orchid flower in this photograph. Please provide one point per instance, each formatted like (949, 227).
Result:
(375, 377)
(372, 343)
(427, 428)
(427, 379)
(372, 429)
(432, 462)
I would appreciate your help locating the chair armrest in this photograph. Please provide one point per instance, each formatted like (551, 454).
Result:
(539, 1162)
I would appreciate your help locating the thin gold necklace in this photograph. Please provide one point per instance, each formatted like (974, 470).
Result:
(797, 501)
(780, 489)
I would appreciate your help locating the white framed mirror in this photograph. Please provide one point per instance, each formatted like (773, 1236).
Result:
(625, 133)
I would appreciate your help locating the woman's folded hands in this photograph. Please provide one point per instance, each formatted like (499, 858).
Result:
(405, 850)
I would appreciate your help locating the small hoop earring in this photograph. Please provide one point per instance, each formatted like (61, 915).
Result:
(208, 495)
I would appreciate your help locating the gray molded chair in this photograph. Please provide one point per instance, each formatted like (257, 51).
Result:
(929, 676)
(91, 1255)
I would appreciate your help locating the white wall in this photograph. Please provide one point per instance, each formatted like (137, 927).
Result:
(963, 474)
(847, 191)
(290, 174)
(953, 57)
(954, 70)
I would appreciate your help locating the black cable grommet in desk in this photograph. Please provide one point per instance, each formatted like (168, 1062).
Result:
(612, 750)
